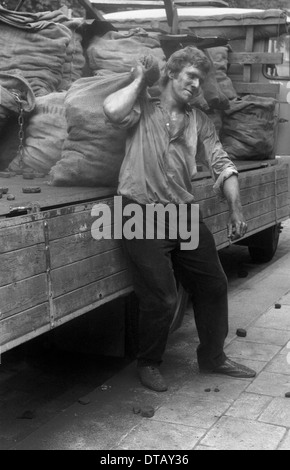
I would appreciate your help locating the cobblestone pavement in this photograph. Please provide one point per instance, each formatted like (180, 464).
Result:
(199, 412)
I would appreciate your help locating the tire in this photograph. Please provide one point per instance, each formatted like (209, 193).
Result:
(132, 319)
(263, 245)
(182, 301)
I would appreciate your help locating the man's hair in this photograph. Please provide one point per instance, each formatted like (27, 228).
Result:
(190, 55)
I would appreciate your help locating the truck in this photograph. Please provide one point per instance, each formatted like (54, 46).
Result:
(52, 270)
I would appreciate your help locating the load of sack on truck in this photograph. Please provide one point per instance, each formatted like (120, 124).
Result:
(55, 73)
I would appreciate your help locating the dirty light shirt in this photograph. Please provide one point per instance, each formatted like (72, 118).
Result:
(159, 167)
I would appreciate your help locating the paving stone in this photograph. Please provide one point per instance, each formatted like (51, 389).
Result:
(278, 412)
(267, 336)
(246, 349)
(196, 411)
(279, 365)
(154, 435)
(268, 383)
(285, 444)
(242, 434)
(285, 300)
(229, 388)
(285, 351)
(249, 406)
(275, 319)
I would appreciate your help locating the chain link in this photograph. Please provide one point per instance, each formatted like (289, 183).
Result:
(21, 129)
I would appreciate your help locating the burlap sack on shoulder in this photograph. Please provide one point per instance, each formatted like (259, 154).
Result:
(118, 52)
(94, 149)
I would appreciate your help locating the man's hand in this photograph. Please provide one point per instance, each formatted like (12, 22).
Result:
(146, 70)
(237, 226)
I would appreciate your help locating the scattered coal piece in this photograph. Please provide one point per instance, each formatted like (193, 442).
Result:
(31, 190)
(136, 410)
(241, 333)
(147, 411)
(84, 401)
(28, 414)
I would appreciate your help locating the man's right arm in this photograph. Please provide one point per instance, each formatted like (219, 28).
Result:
(119, 105)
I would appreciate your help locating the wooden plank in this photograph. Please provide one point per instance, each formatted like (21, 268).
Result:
(218, 222)
(213, 206)
(76, 221)
(255, 225)
(81, 273)
(22, 264)
(249, 45)
(111, 6)
(25, 325)
(203, 189)
(23, 295)
(77, 247)
(91, 294)
(20, 236)
(255, 58)
(257, 88)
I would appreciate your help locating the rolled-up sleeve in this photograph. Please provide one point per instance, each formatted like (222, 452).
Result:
(129, 120)
(211, 152)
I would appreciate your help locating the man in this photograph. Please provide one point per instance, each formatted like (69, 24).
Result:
(165, 137)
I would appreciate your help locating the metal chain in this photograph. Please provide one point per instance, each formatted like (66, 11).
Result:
(21, 129)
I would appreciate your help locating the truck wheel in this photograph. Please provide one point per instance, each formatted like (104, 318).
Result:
(263, 245)
(182, 301)
(132, 316)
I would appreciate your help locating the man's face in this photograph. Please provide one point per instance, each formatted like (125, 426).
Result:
(186, 84)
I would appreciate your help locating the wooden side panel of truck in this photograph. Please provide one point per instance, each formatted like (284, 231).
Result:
(53, 270)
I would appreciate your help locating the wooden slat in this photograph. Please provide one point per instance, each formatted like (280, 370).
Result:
(25, 325)
(22, 264)
(256, 88)
(89, 295)
(254, 225)
(79, 274)
(76, 221)
(203, 189)
(77, 247)
(142, 4)
(212, 206)
(218, 222)
(20, 236)
(23, 295)
(255, 58)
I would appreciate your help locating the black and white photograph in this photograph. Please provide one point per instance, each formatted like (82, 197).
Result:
(145, 227)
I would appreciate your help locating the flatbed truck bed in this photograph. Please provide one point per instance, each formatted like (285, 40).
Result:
(52, 270)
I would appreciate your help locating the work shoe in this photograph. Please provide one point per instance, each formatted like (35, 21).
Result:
(151, 378)
(233, 369)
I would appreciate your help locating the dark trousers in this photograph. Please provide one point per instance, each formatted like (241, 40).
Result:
(155, 265)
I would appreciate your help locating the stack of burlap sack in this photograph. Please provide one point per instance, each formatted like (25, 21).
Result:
(66, 133)
(41, 55)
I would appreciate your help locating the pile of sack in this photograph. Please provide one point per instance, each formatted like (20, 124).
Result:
(66, 133)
